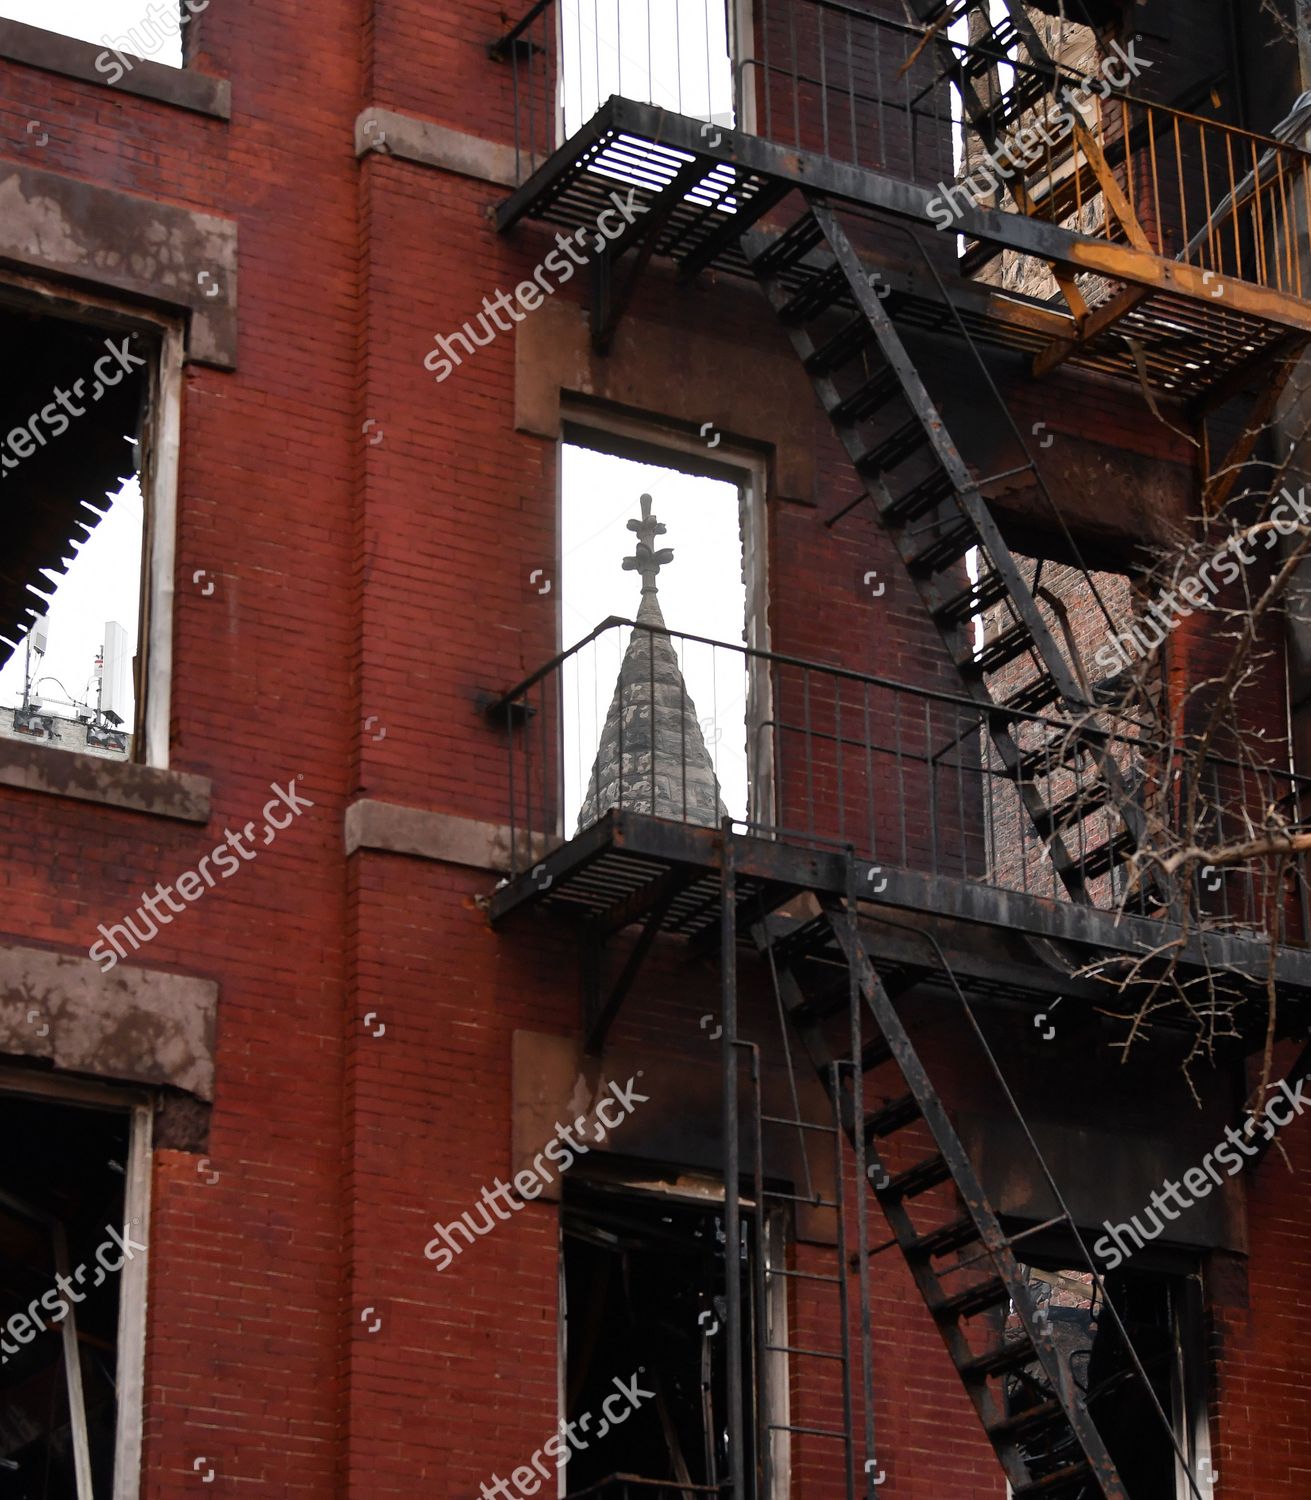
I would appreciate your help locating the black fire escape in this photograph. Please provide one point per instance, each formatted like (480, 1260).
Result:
(1137, 216)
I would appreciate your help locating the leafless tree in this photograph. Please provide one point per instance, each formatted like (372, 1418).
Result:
(1226, 821)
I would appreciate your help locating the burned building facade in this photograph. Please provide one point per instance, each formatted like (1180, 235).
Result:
(699, 888)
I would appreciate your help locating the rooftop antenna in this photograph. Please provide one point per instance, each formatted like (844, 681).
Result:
(38, 638)
(114, 675)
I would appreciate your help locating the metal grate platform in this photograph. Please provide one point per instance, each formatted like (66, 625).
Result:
(703, 187)
(623, 867)
(622, 870)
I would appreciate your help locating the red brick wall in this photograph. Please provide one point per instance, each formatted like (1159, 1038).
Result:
(389, 581)
(1261, 1410)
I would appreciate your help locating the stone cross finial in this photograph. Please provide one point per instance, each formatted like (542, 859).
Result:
(646, 560)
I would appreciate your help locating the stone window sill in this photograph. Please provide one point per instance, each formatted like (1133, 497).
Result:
(91, 778)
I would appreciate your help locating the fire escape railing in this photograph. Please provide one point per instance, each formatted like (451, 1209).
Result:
(809, 77)
(904, 776)
(826, 77)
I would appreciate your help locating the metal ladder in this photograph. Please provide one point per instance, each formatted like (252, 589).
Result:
(829, 1285)
(935, 512)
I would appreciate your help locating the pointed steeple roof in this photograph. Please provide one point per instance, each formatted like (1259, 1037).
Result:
(652, 707)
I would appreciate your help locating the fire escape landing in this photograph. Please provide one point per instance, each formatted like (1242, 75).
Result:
(1188, 331)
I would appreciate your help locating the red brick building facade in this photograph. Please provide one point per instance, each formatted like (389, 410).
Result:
(374, 1014)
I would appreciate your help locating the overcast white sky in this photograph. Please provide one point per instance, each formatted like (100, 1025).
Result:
(104, 583)
(632, 47)
(93, 21)
(701, 593)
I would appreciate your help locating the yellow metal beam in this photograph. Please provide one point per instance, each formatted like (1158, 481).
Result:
(1106, 316)
(1153, 272)
(1069, 287)
(1111, 189)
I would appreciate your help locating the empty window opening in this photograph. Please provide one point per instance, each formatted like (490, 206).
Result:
(653, 722)
(74, 454)
(128, 29)
(643, 1286)
(674, 53)
(1163, 1316)
(65, 1255)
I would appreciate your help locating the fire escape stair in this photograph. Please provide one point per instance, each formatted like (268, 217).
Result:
(996, 40)
(1052, 184)
(934, 510)
(1051, 1448)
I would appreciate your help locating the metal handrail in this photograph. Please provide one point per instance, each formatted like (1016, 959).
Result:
(1056, 72)
(500, 48)
(780, 658)
(833, 756)
(499, 708)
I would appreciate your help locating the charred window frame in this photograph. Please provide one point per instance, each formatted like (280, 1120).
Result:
(642, 1282)
(1162, 1307)
(55, 492)
(71, 1386)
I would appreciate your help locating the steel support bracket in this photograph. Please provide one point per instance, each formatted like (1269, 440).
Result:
(600, 1007)
(609, 300)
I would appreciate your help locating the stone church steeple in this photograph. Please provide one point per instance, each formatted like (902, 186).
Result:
(652, 757)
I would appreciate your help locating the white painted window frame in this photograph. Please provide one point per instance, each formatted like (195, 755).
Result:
(132, 1299)
(742, 52)
(1189, 1394)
